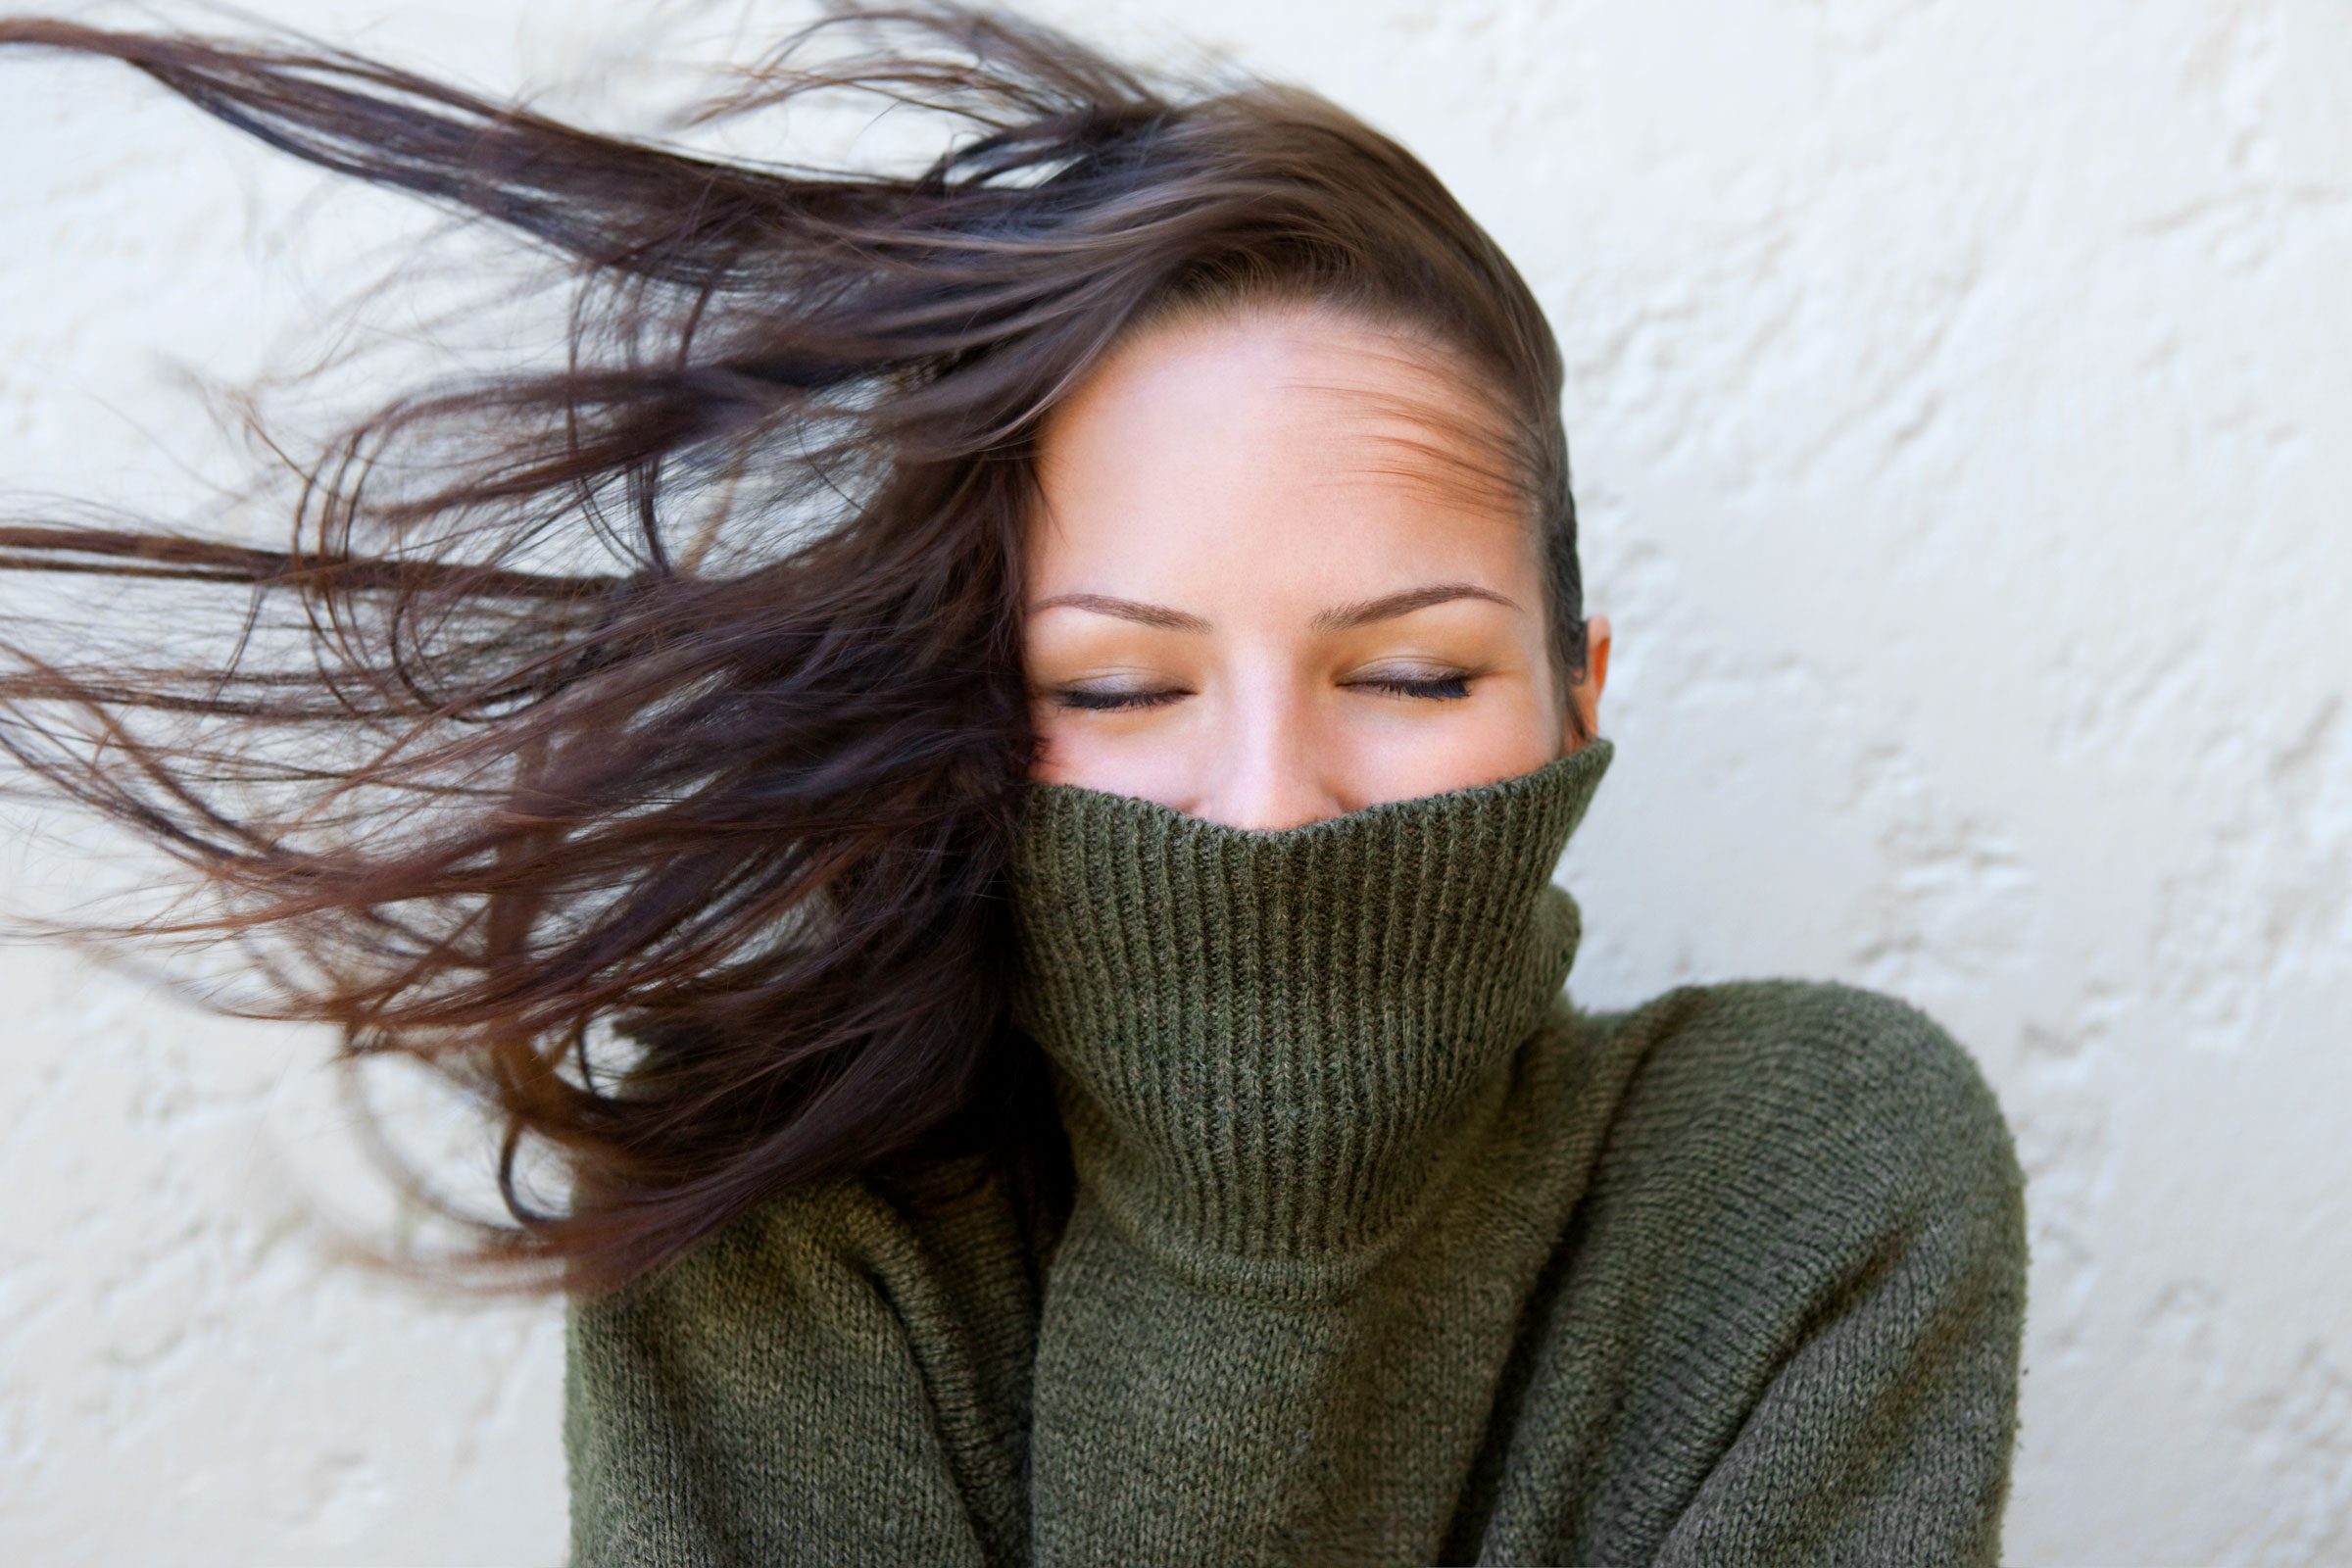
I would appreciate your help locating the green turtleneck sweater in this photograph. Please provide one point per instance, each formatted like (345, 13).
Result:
(1381, 1251)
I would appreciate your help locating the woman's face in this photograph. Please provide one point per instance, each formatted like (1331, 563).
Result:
(1263, 590)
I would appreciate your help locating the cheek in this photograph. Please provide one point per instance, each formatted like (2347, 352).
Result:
(1126, 758)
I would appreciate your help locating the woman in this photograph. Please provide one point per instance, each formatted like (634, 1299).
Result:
(998, 742)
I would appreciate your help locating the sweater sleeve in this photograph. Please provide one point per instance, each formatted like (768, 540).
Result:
(825, 1382)
(1884, 1432)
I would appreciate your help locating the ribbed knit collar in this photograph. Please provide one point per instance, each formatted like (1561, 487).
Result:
(1268, 1047)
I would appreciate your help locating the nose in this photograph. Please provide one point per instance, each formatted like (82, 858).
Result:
(1264, 770)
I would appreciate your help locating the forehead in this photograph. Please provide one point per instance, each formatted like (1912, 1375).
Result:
(1270, 416)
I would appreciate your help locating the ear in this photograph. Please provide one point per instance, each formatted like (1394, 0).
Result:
(1586, 694)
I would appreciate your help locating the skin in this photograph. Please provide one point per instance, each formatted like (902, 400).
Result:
(1212, 500)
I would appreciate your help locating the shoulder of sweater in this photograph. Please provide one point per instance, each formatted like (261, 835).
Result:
(1832, 1069)
(836, 1230)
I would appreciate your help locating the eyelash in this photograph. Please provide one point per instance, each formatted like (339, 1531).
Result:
(1444, 688)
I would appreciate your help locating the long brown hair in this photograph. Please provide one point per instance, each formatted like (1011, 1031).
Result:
(636, 740)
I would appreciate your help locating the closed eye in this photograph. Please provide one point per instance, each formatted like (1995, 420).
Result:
(1095, 701)
(1440, 688)
(1444, 688)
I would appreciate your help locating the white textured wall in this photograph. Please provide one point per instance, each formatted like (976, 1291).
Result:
(1959, 411)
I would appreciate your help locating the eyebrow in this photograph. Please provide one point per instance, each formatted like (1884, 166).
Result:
(1336, 617)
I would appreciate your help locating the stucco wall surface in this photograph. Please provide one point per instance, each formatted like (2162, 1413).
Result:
(1958, 400)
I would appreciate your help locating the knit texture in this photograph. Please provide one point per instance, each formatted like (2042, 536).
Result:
(1382, 1249)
